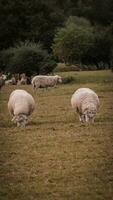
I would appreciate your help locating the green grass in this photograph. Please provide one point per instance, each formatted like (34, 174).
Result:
(55, 157)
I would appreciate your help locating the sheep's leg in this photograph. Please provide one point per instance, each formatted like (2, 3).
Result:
(80, 118)
(92, 120)
(55, 86)
(35, 89)
(44, 88)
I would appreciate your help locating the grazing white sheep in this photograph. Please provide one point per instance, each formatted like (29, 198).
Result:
(86, 103)
(14, 81)
(20, 105)
(2, 79)
(42, 81)
(1, 82)
(11, 81)
(23, 80)
(8, 82)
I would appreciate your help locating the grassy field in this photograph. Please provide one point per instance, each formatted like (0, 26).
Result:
(55, 157)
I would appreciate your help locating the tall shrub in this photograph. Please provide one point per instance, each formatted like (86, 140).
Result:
(29, 58)
(73, 41)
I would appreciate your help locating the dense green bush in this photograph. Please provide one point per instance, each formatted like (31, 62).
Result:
(73, 41)
(101, 52)
(5, 57)
(28, 58)
(80, 43)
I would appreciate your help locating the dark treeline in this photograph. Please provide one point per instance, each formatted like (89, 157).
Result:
(38, 21)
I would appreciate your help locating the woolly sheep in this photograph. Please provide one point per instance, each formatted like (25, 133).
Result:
(2, 79)
(14, 81)
(1, 82)
(11, 81)
(86, 103)
(20, 105)
(42, 81)
(23, 80)
(8, 82)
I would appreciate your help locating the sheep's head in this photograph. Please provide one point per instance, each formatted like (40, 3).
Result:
(21, 120)
(88, 115)
(4, 77)
(59, 79)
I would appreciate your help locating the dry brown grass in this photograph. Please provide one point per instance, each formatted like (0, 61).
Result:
(55, 157)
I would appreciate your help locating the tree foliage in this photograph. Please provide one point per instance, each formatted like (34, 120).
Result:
(79, 42)
(73, 41)
(27, 58)
(38, 21)
(101, 52)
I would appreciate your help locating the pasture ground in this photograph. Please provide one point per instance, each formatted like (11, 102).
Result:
(55, 157)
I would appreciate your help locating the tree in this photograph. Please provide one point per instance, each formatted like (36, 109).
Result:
(102, 12)
(101, 52)
(28, 58)
(28, 20)
(73, 41)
